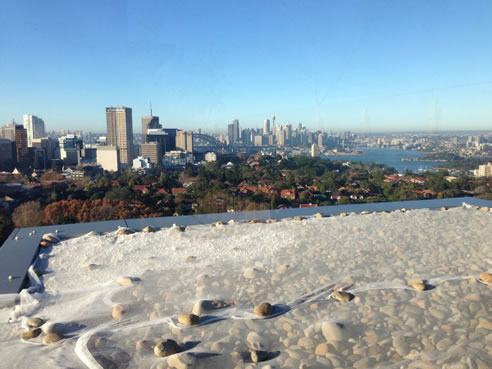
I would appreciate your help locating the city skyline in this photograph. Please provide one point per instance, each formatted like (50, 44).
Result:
(365, 67)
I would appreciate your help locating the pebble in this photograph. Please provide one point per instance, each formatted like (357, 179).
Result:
(31, 333)
(124, 231)
(166, 348)
(258, 356)
(263, 309)
(52, 338)
(190, 258)
(255, 341)
(125, 281)
(486, 277)
(419, 285)
(202, 307)
(401, 345)
(35, 322)
(149, 229)
(321, 349)
(118, 311)
(189, 319)
(342, 296)
(332, 331)
(299, 218)
(50, 237)
(181, 361)
(53, 328)
(90, 267)
(319, 215)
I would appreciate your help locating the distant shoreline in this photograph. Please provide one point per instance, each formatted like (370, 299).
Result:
(354, 153)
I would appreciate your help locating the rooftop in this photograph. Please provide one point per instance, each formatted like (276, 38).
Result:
(298, 262)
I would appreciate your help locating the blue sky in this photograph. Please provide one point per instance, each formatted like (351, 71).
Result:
(360, 65)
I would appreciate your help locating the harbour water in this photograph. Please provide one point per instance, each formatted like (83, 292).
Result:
(390, 158)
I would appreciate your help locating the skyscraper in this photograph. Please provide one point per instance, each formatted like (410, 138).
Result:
(266, 127)
(21, 144)
(233, 131)
(120, 132)
(184, 140)
(34, 127)
(149, 122)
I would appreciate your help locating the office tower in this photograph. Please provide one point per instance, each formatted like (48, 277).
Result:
(108, 157)
(184, 140)
(166, 137)
(35, 128)
(266, 126)
(47, 144)
(70, 149)
(314, 150)
(120, 132)
(288, 133)
(152, 150)
(7, 154)
(149, 122)
(233, 132)
(320, 140)
(8, 131)
(21, 144)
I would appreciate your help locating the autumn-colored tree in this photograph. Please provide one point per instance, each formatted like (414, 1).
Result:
(28, 214)
(51, 176)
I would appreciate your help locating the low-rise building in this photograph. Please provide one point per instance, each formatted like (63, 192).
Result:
(108, 157)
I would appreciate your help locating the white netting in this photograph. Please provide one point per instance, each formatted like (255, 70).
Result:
(295, 265)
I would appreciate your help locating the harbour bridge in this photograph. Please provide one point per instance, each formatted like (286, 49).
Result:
(205, 143)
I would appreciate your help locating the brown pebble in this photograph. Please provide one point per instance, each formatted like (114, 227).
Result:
(118, 311)
(52, 338)
(31, 333)
(342, 296)
(189, 319)
(263, 309)
(486, 277)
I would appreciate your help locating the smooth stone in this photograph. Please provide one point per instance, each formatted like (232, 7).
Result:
(190, 258)
(341, 296)
(319, 215)
(166, 348)
(181, 361)
(30, 334)
(148, 229)
(486, 277)
(189, 319)
(401, 345)
(263, 309)
(418, 285)
(45, 244)
(202, 307)
(125, 281)
(299, 218)
(50, 237)
(90, 267)
(124, 231)
(35, 322)
(258, 356)
(52, 338)
(143, 346)
(219, 223)
(332, 331)
(53, 328)
(321, 349)
(118, 311)
(282, 268)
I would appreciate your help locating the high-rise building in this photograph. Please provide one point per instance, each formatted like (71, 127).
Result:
(233, 132)
(108, 157)
(320, 140)
(35, 128)
(149, 122)
(165, 136)
(7, 154)
(314, 150)
(288, 133)
(70, 149)
(21, 144)
(266, 126)
(153, 151)
(8, 131)
(120, 132)
(184, 140)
